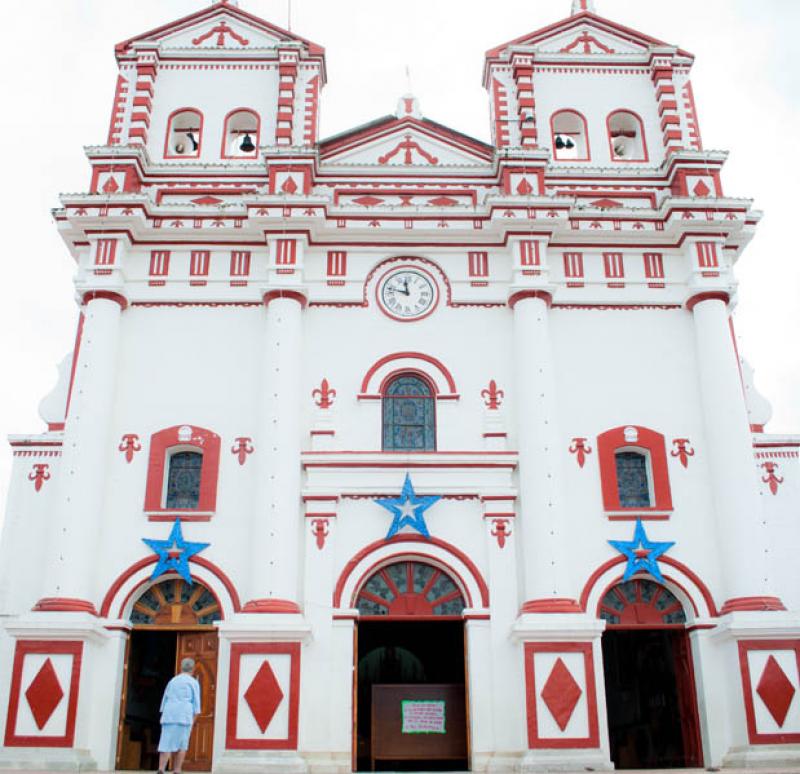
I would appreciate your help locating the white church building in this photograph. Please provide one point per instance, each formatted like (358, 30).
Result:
(434, 454)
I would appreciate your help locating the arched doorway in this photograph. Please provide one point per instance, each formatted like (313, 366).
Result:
(170, 621)
(649, 677)
(411, 704)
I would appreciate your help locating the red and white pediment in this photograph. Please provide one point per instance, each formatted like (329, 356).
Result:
(219, 27)
(405, 143)
(583, 34)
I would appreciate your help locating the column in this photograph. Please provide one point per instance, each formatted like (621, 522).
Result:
(276, 524)
(661, 72)
(146, 70)
(741, 528)
(287, 74)
(540, 523)
(78, 513)
(526, 104)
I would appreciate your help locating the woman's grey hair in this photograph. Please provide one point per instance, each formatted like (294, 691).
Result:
(187, 664)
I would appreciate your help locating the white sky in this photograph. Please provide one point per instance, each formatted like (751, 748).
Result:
(57, 77)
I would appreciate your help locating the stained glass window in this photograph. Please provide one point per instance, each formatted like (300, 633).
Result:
(183, 480)
(641, 603)
(408, 415)
(632, 483)
(410, 589)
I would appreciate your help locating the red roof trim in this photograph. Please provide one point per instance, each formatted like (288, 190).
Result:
(606, 25)
(379, 129)
(212, 12)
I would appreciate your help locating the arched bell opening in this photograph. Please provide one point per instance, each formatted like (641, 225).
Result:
(411, 668)
(649, 677)
(171, 619)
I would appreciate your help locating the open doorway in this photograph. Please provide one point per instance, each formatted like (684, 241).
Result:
(171, 621)
(411, 698)
(650, 691)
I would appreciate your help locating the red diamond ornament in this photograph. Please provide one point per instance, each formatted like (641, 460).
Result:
(775, 690)
(264, 696)
(44, 694)
(561, 694)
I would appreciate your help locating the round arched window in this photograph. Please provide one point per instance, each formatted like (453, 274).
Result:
(174, 602)
(410, 589)
(641, 603)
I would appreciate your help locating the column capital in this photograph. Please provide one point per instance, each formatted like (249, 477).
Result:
(294, 294)
(108, 295)
(519, 295)
(710, 295)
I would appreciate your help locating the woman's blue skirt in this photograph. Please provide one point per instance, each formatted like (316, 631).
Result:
(174, 737)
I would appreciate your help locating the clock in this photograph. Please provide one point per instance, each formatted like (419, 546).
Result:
(407, 293)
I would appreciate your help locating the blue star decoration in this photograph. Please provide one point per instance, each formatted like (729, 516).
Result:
(174, 553)
(408, 510)
(642, 554)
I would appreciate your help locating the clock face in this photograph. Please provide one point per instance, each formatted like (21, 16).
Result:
(408, 293)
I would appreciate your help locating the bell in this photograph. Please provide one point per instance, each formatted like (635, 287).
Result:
(560, 144)
(247, 144)
(569, 144)
(179, 148)
(194, 142)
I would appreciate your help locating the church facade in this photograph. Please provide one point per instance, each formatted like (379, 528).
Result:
(429, 451)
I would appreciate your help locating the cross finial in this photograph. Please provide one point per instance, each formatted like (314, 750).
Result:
(579, 6)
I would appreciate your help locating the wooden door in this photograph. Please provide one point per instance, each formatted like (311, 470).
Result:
(687, 699)
(202, 646)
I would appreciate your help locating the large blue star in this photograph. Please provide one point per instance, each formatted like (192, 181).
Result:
(642, 553)
(408, 509)
(174, 553)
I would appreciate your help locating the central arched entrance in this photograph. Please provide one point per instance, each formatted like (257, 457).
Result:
(411, 703)
(170, 621)
(649, 678)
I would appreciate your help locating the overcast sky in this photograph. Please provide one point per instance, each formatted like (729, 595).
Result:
(58, 73)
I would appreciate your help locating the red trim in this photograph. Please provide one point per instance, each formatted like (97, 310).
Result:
(64, 605)
(520, 295)
(645, 158)
(106, 295)
(580, 115)
(603, 568)
(531, 692)
(271, 606)
(193, 154)
(365, 382)
(75, 353)
(294, 295)
(125, 575)
(398, 541)
(714, 295)
(747, 688)
(551, 605)
(238, 649)
(28, 647)
(256, 140)
(751, 603)
(609, 442)
(203, 441)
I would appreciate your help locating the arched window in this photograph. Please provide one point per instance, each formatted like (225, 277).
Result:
(633, 470)
(184, 134)
(183, 479)
(641, 602)
(174, 601)
(241, 135)
(570, 137)
(626, 136)
(410, 589)
(182, 473)
(633, 479)
(409, 422)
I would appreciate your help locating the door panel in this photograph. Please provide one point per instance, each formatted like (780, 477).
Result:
(202, 647)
